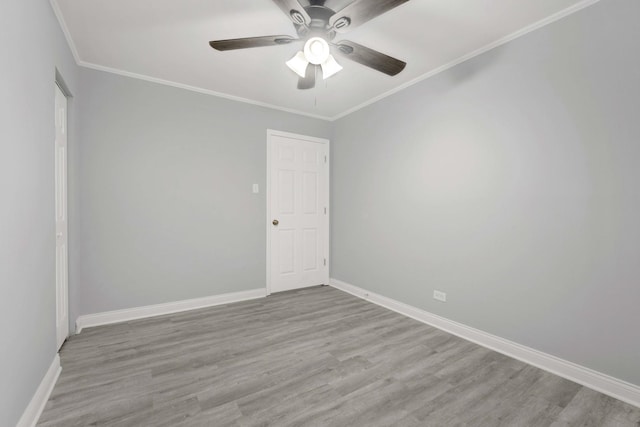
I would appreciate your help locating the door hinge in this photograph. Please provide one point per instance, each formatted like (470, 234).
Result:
(325, 159)
(325, 211)
(325, 262)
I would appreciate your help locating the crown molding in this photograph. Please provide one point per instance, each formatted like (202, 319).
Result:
(65, 30)
(74, 51)
(522, 32)
(199, 90)
(513, 36)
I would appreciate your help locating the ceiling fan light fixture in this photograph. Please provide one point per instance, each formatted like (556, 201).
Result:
(317, 25)
(298, 64)
(330, 67)
(316, 50)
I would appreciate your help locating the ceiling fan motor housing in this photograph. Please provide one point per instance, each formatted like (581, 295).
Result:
(319, 25)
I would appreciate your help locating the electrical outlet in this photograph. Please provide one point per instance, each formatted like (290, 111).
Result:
(440, 296)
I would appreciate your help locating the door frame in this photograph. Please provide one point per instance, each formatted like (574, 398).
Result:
(61, 87)
(326, 230)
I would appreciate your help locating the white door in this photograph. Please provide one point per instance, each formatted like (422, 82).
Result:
(298, 211)
(62, 267)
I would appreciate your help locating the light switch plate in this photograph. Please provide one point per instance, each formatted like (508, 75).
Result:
(256, 189)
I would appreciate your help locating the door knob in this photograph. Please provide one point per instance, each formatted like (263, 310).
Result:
(275, 222)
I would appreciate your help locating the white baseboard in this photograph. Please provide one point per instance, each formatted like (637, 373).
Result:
(117, 316)
(606, 384)
(33, 411)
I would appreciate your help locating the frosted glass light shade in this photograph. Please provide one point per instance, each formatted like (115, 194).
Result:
(298, 64)
(316, 50)
(330, 67)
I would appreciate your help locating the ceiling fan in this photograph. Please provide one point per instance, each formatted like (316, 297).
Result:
(317, 26)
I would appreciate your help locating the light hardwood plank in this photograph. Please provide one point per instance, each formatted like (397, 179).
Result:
(310, 357)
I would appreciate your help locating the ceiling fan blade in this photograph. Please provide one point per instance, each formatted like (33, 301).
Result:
(308, 81)
(295, 11)
(249, 42)
(361, 11)
(371, 58)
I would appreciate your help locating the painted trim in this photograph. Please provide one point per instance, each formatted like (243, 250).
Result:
(199, 90)
(605, 384)
(297, 136)
(327, 224)
(32, 413)
(65, 30)
(267, 193)
(526, 30)
(118, 316)
(61, 120)
(522, 32)
(74, 51)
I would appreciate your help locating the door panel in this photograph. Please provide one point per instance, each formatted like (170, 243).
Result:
(310, 193)
(310, 249)
(299, 194)
(287, 251)
(286, 182)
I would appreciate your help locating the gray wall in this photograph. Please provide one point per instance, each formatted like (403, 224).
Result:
(32, 48)
(511, 183)
(167, 210)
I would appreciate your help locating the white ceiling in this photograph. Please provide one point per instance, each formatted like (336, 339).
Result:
(167, 40)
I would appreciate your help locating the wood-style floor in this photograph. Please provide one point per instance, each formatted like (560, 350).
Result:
(312, 357)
